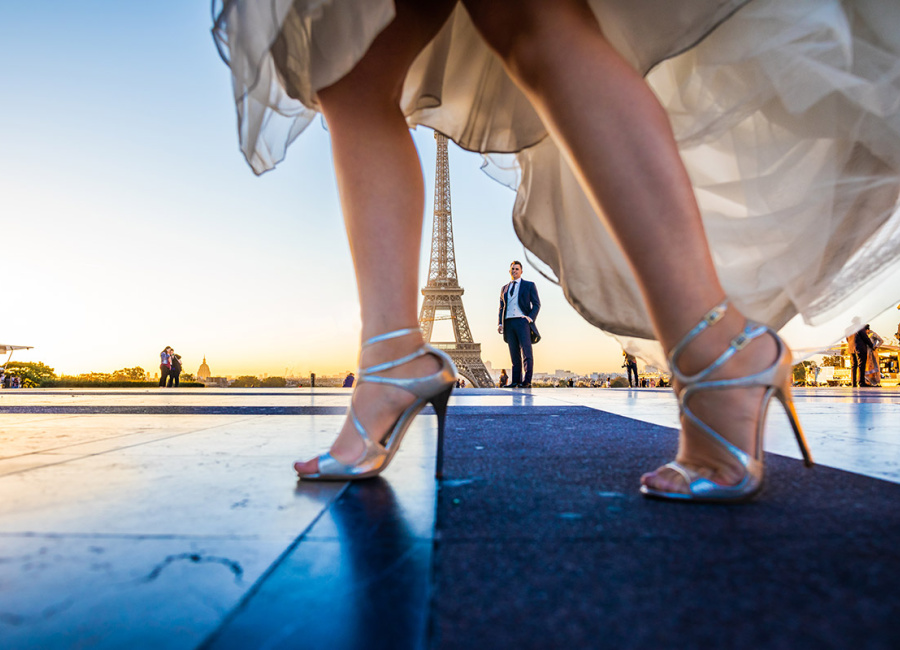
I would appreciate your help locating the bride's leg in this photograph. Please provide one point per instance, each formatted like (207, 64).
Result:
(382, 198)
(618, 140)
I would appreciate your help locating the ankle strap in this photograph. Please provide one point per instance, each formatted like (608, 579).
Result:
(712, 317)
(367, 374)
(751, 331)
(389, 335)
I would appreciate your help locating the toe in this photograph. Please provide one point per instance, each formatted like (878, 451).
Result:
(664, 480)
(305, 467)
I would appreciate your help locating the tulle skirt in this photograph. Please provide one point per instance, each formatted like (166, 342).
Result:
(786, 114)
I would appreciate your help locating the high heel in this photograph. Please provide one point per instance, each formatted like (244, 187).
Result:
(378, 453)
(777, 381)
(440, 408)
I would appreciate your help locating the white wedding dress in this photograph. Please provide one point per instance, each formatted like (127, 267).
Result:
(786, 113)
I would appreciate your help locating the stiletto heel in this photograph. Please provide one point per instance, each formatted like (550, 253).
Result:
(378, 453)
(777, 381)
(439, 402)
(788, 403)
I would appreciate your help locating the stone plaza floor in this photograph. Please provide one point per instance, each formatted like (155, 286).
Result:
(173, 519)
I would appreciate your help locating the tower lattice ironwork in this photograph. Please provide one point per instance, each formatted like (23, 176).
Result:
(442, 291)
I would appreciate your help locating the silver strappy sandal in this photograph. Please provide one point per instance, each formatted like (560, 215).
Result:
(777, 381)
(377, 453)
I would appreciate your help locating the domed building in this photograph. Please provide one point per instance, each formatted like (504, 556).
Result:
(203, 374)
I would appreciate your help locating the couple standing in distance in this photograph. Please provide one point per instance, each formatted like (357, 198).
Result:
(169, 368)
(519, 307)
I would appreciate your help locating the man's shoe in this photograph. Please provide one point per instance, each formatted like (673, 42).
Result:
(524, 385)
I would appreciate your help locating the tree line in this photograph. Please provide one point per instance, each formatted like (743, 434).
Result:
(34, 374)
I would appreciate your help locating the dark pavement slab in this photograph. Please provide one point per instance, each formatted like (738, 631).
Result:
(544, 541)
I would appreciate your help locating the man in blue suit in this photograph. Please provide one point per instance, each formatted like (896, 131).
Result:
(519, 307)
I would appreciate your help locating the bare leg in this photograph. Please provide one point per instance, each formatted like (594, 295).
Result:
(382, 197)
(618, 140)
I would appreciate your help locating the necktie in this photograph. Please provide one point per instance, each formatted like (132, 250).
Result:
(512, 290)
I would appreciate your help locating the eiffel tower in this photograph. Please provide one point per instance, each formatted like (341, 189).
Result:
(442, 291)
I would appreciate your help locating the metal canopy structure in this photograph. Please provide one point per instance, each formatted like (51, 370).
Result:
(9, 349)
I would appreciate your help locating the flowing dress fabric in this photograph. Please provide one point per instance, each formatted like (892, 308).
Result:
(873, 365)
(873, 370)
(786, 114)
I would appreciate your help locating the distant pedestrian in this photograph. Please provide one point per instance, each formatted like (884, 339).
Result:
(165, 365)
(348, 380)
(175, 371)
(862, 344)
(873, 368)
(631, 369)
(504, 378)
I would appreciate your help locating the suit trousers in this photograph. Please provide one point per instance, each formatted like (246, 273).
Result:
(518, 337)
(631, 369)
(859, 369)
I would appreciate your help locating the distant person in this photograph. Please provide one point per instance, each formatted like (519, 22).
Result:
(854, 359)
(519, 307)
(504, 378)
(873, 369)
(862, 344)
(175, 371)
(165, 365)
(348, 380)
(631, 369)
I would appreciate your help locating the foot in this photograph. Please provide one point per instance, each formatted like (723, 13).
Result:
(732, 413)
(377, 406)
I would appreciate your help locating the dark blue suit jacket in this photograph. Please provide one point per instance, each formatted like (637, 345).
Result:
(529, 303)
(862, 342)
